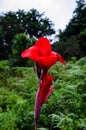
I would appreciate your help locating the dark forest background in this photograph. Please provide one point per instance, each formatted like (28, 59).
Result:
(19, 30)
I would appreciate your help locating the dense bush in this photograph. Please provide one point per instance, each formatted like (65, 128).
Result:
(64, 110)
(20, 43)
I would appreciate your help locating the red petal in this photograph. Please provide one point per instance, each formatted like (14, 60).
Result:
(60, 58)
(48, 94)
(48, 61)
(45, 88)
(32, 53)
(44, 45)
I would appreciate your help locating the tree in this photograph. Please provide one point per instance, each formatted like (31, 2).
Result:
(68, 49)
(31, 22)
(77, 23)
(38, 25)
(4, 48)
(20, 43)
(73, 39)
(79, 16)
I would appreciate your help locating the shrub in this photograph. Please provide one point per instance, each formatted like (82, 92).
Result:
(20, 43)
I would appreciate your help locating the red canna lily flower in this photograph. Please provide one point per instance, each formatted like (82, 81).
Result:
(42, 53)
(44, 57)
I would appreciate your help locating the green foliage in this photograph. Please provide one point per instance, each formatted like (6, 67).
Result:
(69, 48)
(64, 110)
(73, 59)
(72, 40)
(82, 42)
(78, 22)
(69, 98)
(17, 97)
(31, 22)
(19, 44)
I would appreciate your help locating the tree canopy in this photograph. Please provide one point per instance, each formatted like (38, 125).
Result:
(72, 41)
(31, 22)
(78, 22)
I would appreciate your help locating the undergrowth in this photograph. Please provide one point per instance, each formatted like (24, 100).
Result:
(65, 108)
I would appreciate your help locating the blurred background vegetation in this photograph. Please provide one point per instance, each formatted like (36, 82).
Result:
(19, 30)
(65, 109)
